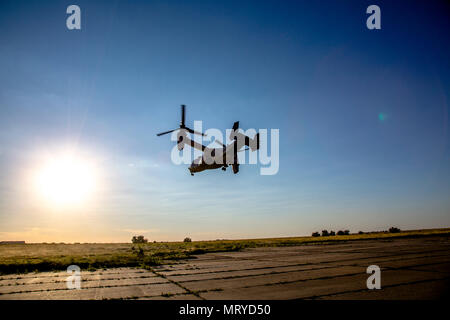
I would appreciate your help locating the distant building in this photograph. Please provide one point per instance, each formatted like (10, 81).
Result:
(12, 242)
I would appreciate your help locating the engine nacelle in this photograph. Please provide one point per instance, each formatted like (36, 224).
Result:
(181, 140)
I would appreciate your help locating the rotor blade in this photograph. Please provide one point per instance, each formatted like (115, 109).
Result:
(166, 132)
(183, 114)
(195, 132)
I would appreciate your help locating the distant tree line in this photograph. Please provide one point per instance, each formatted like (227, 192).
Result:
(325, 233)
(139, 239)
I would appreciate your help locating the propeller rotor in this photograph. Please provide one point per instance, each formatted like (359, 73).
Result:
(182, 125)
(166, 132)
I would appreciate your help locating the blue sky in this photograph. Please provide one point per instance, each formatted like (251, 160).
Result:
(363, 115)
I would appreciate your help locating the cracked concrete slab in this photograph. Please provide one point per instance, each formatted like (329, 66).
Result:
(410, 269)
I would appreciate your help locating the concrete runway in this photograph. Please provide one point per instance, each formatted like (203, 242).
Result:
(410, 269)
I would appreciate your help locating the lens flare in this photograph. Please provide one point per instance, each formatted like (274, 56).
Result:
(382, 116)
(66, 180)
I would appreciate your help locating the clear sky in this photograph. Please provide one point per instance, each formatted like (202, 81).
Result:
(363, 116)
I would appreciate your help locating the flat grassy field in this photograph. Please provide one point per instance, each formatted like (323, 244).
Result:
(22, 258)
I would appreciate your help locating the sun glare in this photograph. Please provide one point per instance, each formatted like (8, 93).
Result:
(66, 180)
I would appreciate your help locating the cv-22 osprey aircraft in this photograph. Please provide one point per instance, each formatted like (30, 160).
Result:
(214, 158)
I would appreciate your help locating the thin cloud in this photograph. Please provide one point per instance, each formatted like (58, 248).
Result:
(140, 230)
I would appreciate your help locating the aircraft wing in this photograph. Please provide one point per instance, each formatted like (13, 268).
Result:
(193, 144)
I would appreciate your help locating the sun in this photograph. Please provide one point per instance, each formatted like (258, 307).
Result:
(66, 180)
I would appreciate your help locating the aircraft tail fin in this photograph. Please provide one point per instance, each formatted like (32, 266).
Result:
(253, 144)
